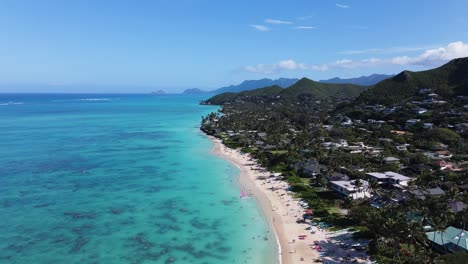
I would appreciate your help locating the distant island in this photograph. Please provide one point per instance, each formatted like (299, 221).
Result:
(194, 91)
(159, 92)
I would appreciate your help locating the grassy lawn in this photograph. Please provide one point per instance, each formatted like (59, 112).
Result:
(334, 210)
(305, 181)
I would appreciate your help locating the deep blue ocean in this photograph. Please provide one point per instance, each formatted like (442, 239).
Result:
(120, 179)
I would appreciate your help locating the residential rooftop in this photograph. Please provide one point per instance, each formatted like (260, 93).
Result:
(389, 175)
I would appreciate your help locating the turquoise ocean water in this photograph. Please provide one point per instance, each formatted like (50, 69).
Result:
(119, 179)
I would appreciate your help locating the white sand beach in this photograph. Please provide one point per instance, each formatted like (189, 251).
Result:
(282, 211)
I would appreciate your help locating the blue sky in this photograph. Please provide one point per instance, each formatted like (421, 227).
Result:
(139, 46)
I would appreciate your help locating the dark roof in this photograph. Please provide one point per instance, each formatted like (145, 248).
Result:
(337, 176)
(421, 193)
(435, 191)
(457, 206)
(323, 168)
(309, 166)
(420, 167)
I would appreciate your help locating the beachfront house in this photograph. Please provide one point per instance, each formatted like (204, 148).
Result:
(451, 239)
(350, 189)
(390, 179)
(337, 176)
(308, 168)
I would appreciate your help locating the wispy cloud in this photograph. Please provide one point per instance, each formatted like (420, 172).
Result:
(363, 51)
(304, 18)
(342, 6)
(276, 67)
(305, 27)
(277, 22)
(429, 58)
(348, 64)
(397, 49)
(260, 27)
(435, 57)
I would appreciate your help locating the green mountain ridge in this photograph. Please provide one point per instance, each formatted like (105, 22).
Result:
(448, 80)
(230, 96)
(320, 90)
(303, 88)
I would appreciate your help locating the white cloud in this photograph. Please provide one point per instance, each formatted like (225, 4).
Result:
(397, 49)
(260, 27)
(276, 67)
(304, 27)
(304, 17)
(342, 6)
(277, 22)
(348, 64)
(434, 57)
(429, 58)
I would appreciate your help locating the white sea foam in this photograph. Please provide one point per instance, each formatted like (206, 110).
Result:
(12, 103)
(95, 99)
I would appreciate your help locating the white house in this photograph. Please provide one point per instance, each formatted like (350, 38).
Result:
(343, 142)
(390, 177)
(402, 147)
(439, 155)
(348, 189)
(419, 111)
(412, 122)
(428, 125)
(391, 160)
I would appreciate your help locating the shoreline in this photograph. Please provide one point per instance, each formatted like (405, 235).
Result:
(278, 206)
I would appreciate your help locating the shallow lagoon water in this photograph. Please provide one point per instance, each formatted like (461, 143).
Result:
(119, 179)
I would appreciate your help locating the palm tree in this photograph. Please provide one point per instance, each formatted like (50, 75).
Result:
(374, 187)
(439, 216)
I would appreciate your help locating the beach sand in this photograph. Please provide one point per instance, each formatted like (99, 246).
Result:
(280, 208)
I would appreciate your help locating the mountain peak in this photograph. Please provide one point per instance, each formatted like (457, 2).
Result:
(248, 85)
(363, 80)
(402, 76)
(448, 80)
